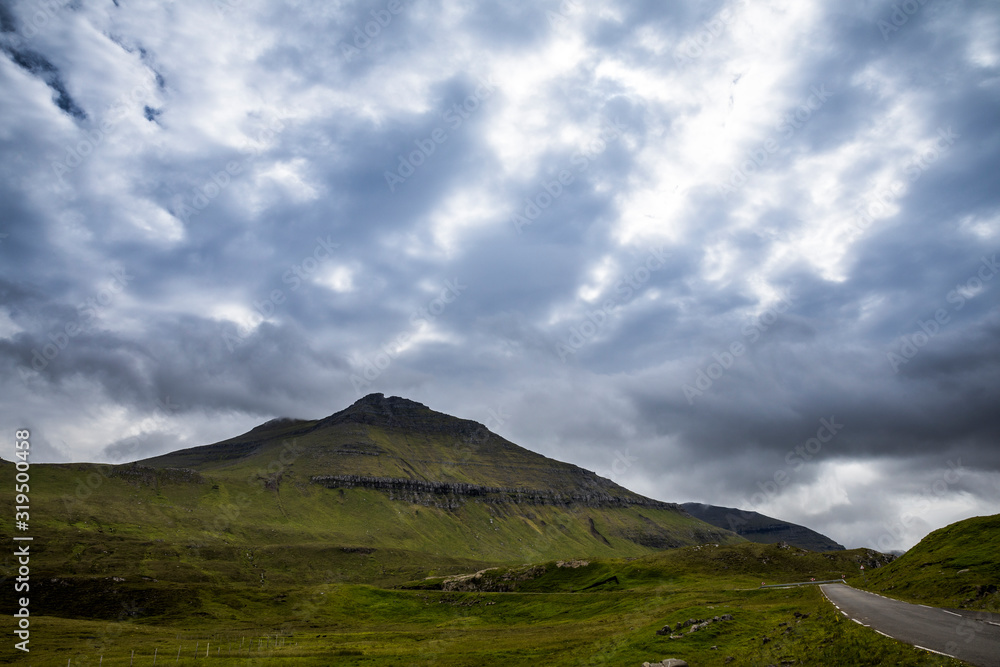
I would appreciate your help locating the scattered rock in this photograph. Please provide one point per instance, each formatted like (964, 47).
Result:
(667, 662)
(729, 659)
(695, 624)
(765, 640)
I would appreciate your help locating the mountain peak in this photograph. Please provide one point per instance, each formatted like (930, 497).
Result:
(398, 412)
(379, 401)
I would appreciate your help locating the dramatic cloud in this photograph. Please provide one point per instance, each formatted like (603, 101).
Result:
(734, 252)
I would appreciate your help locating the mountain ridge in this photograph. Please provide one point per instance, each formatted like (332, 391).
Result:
(761, 528)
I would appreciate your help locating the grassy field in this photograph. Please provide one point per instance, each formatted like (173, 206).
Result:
(605, 612)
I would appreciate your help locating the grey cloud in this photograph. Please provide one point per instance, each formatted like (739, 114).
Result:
(188, 329)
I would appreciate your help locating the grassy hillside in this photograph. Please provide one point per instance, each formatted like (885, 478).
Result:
(957, 566)
(133, 521)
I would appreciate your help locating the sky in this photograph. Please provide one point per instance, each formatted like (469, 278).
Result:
(737, 252)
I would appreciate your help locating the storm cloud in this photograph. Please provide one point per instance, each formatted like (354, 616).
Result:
(733, 252)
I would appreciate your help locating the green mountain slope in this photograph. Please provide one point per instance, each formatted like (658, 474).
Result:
(761, 528)
(383, 492)
(956, 566)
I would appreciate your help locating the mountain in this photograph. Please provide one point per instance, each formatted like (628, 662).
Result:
(384, 491)
(401, 445)
(427, 479)
(760, 528)
(956, 566)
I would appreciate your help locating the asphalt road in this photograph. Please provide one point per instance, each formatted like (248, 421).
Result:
(970, 636)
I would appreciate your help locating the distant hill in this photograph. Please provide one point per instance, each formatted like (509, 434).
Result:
(955, 566)
(760, 528)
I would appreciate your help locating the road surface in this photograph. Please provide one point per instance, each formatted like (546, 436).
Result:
(970, 636)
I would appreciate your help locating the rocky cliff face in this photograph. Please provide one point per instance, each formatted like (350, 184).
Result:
(451, 495)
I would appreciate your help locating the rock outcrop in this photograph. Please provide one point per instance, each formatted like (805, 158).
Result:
(452, 494)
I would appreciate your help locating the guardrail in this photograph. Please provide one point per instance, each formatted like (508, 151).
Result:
(804, 583)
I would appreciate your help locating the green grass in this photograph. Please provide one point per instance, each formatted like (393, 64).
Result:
(957, 566)
(360, 625)
(548, 620)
